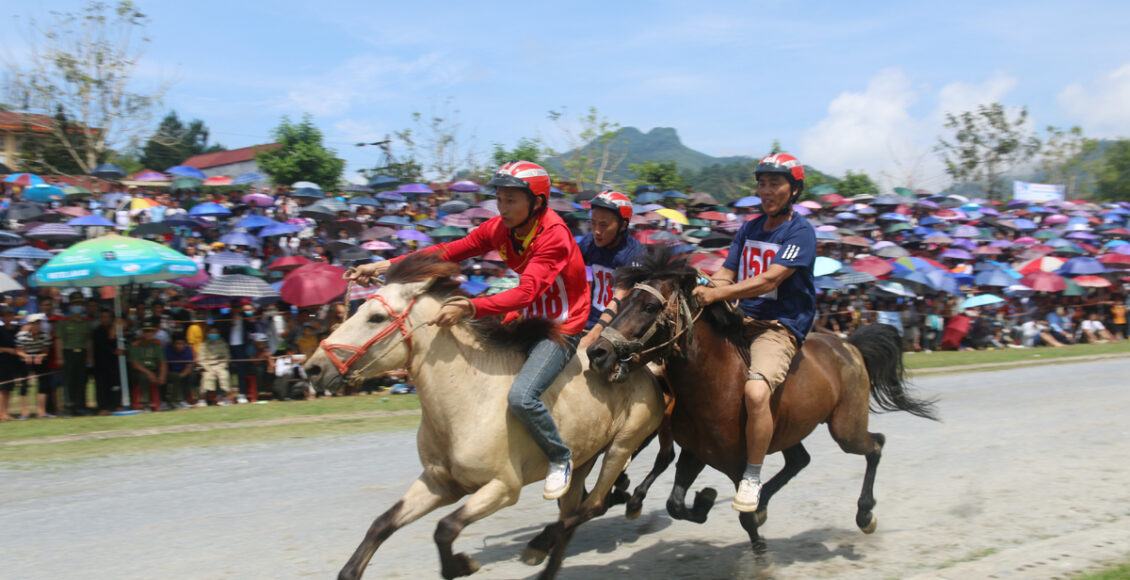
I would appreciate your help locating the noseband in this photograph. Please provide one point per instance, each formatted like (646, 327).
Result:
(397, 322)
(676, 313)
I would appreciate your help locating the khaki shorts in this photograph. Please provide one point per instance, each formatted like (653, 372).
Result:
(771, 351)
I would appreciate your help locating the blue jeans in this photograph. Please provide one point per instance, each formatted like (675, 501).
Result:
(544, 362)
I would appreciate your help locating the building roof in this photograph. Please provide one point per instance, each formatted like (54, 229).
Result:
(220, 158)
(17, 122)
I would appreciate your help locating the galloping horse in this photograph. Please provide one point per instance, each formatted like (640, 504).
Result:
(468, 442)
(707, 357)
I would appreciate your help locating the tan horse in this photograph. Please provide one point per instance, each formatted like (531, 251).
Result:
(468, 442)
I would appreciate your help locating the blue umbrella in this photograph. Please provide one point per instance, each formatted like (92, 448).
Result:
(649, 197)
(43, 193)
(980, 300)
(391, 196)
(748, 201)
(827, 283)
(186, 171)
(24, 179)
(394, 220)
(254, 221)
(108, 171)
(279, 229)
(240, 239)
(1080, 266)
(674, 194)
(1025, 224)
(248, 178)
(26, 253)
(894, 217)
(994, 277)
(383, 182)
(367, 201)
(91, 221)
(943, 281)
(209, 209)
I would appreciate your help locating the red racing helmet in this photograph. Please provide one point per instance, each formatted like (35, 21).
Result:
(615, 202)
(524, 175)
(783, 164)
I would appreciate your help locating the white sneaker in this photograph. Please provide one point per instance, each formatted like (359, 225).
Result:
(558, 479)
(748, 495)
(201, 403)
(222, 403)
(241, 400)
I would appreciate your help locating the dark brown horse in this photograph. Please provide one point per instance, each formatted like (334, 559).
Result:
(706, 356)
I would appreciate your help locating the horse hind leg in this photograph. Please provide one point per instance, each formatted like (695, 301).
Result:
(662, 461)
(849, 429)
(686, 471)
(488, 499)
(538, 547)
(796, 459)
(423, 496)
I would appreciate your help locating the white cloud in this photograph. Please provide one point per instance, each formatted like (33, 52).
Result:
(876, 130)
(1103, 108)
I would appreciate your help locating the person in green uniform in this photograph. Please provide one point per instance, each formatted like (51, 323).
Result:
(147, 363)
(75, 350)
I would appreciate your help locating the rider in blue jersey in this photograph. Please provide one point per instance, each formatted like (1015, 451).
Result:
(609, 246)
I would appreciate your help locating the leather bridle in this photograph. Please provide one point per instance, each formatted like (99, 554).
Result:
(676, 313)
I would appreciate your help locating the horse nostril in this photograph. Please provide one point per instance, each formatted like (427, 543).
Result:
(599, 355)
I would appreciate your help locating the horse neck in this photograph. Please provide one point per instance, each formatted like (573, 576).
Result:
(706, 357)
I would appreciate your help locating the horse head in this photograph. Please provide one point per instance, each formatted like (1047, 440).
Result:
(654, 317)
(378, 337)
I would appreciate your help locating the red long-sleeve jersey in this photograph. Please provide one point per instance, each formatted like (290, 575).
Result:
(552, 281)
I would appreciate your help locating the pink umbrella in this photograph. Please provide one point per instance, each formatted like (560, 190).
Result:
(811, 204)
(479, 213)
(218, 180)
(377, 246)
(1044, 282)
(1025, 241)
(877, 267)
(457, 220)
(313, 285)
(1055, 219)
(1090, 281)
(198, 280)
(258, 200)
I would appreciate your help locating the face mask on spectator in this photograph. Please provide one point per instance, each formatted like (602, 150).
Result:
(77, 309)
(213, 336)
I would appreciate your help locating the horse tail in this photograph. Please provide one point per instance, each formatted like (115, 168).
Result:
(881, 347)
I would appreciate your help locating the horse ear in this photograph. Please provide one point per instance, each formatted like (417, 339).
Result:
(687, 283)
(411, 290)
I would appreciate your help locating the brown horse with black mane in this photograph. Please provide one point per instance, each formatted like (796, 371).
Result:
(707, 357)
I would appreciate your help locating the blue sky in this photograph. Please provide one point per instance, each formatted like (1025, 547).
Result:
(845, 85)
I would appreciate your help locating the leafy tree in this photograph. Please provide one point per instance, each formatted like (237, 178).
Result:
(662, 174)
(857, 184)
(302, 156)
(173, 142)
(527, 149)
(595, 152)
(434, 144)
(986, 143)
(1113, 180)
(82, 65)
(1066, 158)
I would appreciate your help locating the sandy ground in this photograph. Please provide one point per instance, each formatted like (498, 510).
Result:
(1028, 469)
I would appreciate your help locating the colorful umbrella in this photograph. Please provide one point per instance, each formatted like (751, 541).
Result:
(90, 221)
(217, 181)
(287, 263)
(1081, 265)
(414, 235)
(24, 179)
(993, 277)
(209, 209)
(672, 215)
(255, 220)
(377, 246)
(26, 253)
(114, 260)
(1092, 281)
(141, 203)
(248, 178)
(228, 259)
(192, 282)
(465, 186)
(186, 171)
(239, 286)
(825, 266)
(1044, 282)
(305, 185)
(53, 232)
(980, 300)
(43, 193)
(313, 285)
(871, 265)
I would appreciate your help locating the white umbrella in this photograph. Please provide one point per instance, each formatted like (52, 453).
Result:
(8, 284)
(301, 184)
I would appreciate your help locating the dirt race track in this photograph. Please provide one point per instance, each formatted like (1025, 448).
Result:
(1027, 477)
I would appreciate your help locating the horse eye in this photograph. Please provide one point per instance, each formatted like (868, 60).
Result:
(377, 318)
(651, 308)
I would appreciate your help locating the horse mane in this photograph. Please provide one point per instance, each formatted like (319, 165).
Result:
(660, 262)
(518, 335)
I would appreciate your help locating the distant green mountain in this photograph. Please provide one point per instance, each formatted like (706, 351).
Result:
(658, 144)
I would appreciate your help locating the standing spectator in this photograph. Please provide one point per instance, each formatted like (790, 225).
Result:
(33, 344)
(147, 360)
(12, 367)
(239, 342)
(1118, 319)
(107, 372)
(73, 347)
(181, 360)
(214, 356)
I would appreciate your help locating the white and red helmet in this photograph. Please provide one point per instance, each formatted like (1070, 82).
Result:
(784, 164)
(616, 202)
(525, 175)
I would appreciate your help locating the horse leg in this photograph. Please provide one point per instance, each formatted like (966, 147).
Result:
(796, 459)
(850, 432)
(488, 499)
(686, 470)
(538, 547)
(662, 461)
(423, 496)
(615, 459)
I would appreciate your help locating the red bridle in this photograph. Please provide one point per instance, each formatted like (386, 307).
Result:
(396, 322)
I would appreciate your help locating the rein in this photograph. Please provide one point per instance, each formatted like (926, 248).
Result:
(683, 320)
(397, 322)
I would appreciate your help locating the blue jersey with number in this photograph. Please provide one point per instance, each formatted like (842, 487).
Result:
(791, 244)
(602, 263)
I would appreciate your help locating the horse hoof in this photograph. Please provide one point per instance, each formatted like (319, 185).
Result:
(533, 556)
(461, 565)
(760, 516)
(633, 512)
(870, 528)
